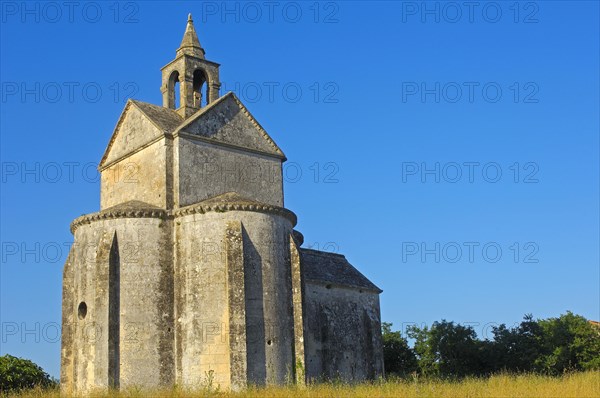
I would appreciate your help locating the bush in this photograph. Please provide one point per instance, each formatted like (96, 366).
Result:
(18, 374)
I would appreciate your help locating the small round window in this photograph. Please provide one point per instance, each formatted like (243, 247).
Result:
(82, 310)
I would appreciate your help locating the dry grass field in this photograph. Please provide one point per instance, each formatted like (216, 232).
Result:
(580, 385)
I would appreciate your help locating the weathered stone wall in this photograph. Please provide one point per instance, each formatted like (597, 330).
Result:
(141, 176)
(342, 333)
(214, 292)
(201, 339)
(203, 295)
(117, 320)
(206, 170)
(69, 319)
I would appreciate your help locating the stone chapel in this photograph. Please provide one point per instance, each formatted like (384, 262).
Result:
(189, 274)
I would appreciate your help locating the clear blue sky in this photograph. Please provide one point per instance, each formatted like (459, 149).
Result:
(387, 90)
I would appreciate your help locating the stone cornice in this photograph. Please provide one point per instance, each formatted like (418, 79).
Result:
(199, 208)
(110, 214)
(179, 56)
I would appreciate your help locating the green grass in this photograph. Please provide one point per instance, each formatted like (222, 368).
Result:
(580, 385)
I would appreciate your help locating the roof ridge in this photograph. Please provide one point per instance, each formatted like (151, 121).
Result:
(321, 252)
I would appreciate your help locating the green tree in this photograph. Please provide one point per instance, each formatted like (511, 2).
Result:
(516, 349)
(570, 342)
(17, 374)
(551, 346)
(448, 350)
(398, 357)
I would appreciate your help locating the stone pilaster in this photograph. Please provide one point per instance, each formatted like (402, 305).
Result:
(297, 294)
(237, 304)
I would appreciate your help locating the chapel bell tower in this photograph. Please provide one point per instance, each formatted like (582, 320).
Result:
(196, 78)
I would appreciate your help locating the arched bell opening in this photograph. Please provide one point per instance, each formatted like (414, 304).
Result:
(174, 90)
(200, 88)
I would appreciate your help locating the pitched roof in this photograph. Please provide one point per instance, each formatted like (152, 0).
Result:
(169, 122)
(164, 118)
(332, 268)
(132, 205)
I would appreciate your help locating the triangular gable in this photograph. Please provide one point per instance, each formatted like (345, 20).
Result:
(138, 125)
(227, 121)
